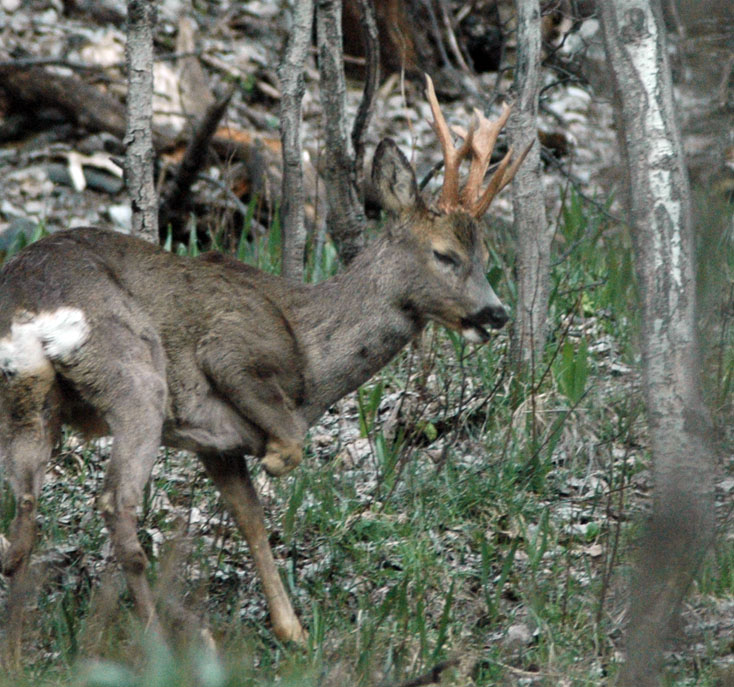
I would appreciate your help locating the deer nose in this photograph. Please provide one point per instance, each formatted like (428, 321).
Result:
(494, 315)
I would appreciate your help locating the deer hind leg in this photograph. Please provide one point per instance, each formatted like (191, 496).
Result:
(122, 373)
(136, 422)
(24, 451)
(232, 478)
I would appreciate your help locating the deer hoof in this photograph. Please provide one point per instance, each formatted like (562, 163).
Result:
(281, 456)
(291, 632)
(208, 644)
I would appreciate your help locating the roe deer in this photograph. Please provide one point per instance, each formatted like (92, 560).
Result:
(114, 336)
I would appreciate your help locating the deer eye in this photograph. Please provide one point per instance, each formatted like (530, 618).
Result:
(448, 259)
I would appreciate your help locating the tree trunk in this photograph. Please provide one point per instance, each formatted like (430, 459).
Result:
(290, 72)
(368, 26)
(532, 235)
(139, 133)
(345, 217)
(704, 33)
(705, 60)
(682, 522)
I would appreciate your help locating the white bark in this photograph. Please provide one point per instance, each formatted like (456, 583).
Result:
(681, 525)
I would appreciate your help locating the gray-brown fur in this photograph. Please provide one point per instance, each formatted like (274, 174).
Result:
(211, 356)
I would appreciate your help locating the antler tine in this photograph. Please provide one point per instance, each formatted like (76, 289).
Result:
(501, 177)
(452, 156)
(483, 143)
(480, 205)
(509, 175)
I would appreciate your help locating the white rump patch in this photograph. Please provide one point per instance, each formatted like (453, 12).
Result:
(36, 340)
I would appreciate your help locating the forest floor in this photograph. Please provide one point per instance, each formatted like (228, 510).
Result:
(449, 513)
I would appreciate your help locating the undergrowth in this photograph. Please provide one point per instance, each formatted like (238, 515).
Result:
(449, 516)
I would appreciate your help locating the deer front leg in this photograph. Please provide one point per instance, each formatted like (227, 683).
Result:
(255, 382)
(263, 402)
(232, 478)
(281, 456)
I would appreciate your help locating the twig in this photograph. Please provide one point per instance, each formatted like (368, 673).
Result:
(54, 61)
(451, 36)
(533, 674)
(432, 677)
(566, 79)
(577, 187)
(564, 335)
(436, 29)
(84, 66)
(228, 192)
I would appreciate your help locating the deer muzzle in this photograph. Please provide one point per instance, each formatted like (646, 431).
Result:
(474, 326)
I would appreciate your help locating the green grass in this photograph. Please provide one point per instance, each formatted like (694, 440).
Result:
(475, 517)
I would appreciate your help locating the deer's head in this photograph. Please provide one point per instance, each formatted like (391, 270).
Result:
(444, 250)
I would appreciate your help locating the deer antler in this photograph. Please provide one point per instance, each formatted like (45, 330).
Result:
(482, 144)
(480, 141)
(452, 156)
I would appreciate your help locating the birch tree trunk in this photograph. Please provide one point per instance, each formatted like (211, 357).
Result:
(682, 521)
(532, 234)
(139, 119)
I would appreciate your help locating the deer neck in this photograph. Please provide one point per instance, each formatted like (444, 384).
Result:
(353, 324)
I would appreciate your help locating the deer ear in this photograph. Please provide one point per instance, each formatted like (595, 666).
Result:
(394, 180)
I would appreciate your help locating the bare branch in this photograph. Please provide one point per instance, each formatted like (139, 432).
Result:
(451, 37)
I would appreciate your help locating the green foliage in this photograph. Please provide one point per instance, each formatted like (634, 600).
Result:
(7, 506)
(571, 370)
(715, 281)
(264, 250)
(322, 261)
(593, 275)
(20, 240)
(369, 402)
